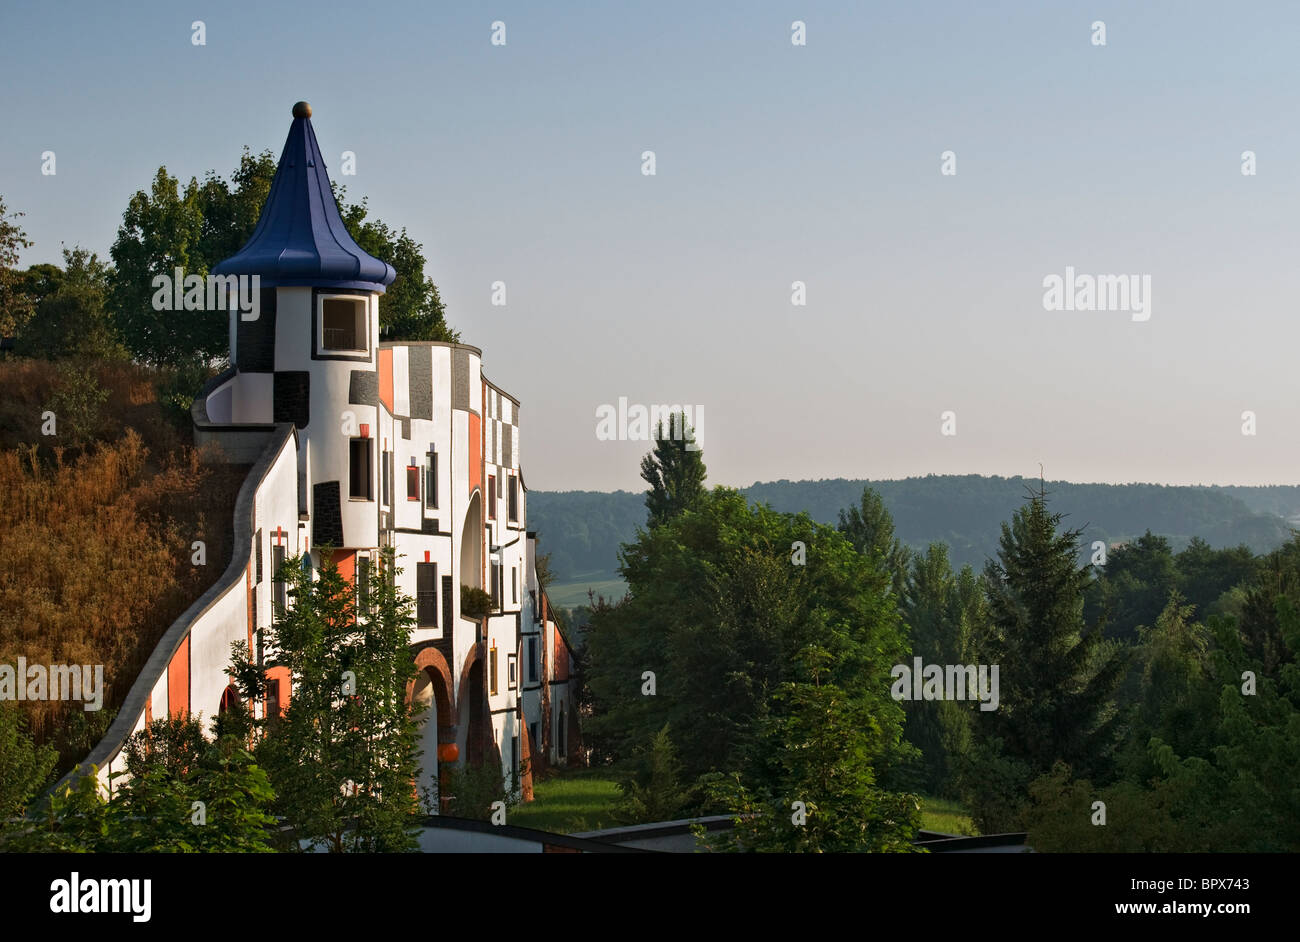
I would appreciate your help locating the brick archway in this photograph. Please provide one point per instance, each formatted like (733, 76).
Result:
(431, 661)
(432, 688)
(473, 711)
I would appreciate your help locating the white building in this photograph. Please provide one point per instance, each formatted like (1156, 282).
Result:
(359, 444)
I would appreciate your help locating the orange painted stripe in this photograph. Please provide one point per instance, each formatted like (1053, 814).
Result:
(475, 453)
(178, 681)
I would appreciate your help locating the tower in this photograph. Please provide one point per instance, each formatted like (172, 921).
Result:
(311, 356)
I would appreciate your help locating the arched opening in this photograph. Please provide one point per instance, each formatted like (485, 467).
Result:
(229, 700)
(425, 707)
(471, 543)
(430, 698)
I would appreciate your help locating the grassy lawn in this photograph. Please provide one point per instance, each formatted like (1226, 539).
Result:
(567, 802)
(584, 800)
(939, 814)
(574, 591)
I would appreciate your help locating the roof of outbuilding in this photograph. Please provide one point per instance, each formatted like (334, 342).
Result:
(300, 237)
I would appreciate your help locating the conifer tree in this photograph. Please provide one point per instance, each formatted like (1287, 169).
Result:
(870, 528)
(674, 470)
(342, 758)
(1056, 680)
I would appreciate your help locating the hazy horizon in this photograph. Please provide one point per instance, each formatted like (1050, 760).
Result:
(775, 163)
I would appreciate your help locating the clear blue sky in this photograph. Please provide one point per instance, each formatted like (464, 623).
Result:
(776, 163)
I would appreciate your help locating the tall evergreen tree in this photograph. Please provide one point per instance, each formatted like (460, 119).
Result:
(870, 529)
(1056, 681)
(674, 470)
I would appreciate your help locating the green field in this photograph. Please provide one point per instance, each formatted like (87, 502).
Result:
(584, 800)
(573, 592)
(939, 814)
(568, 802)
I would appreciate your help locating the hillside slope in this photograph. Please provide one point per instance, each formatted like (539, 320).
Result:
(583, 529)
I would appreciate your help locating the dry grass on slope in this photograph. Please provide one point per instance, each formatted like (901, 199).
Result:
(95, 540)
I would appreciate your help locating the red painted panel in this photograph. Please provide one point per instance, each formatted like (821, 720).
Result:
(475, 452)
(346, 560)
(178, 681)
(386, 378)
(282, 675)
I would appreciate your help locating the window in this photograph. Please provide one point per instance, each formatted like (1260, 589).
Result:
(412, 482)
(272, 698)
(281, 590)
(514, 499)
(431, 479)
(514, 586)
(426, 595)
(512, 670)
(385, 465)
(514, 751)
(446, 603)
(360, 486)
(492, 497)
(258, 554)
(492, 670)
(343, 324)
(363, 584)
(496, 587)
(532, 660)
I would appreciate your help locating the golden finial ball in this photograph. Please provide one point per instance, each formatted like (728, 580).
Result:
(302, 110)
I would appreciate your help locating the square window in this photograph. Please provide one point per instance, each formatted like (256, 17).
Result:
(343, 324)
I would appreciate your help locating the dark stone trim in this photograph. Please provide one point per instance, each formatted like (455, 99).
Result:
(363, 388)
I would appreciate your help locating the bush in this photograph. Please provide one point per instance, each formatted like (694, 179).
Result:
(475, 603)
(77, 404)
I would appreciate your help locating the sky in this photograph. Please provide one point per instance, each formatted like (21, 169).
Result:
(774, 163)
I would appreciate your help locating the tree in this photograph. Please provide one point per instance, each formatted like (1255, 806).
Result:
(674, 470)
(1055, 692)
(715, 616)
(943, 613)
(71, 318)
(160, 232)
(412, 308)
(654, 791)
(1205, 573)
(822, 796)
(24, 766)
(182, 793)
(870, 528)
(15, 303)
(1135, 585)
(342, 758)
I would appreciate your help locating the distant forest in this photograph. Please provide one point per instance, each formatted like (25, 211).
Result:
(583, 529)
